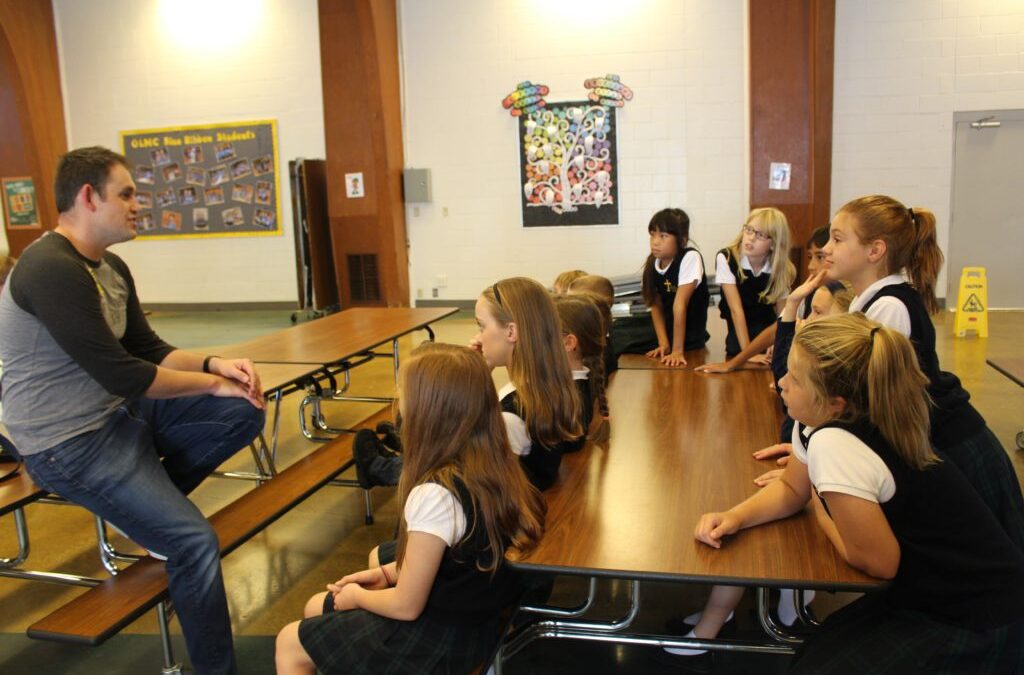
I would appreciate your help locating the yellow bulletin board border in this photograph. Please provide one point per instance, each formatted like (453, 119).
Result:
(278, 231)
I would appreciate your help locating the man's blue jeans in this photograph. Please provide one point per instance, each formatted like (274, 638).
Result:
(117, 473)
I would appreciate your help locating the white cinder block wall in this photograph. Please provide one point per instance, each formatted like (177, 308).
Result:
(902, 69)
(131, 64)
(681, 141)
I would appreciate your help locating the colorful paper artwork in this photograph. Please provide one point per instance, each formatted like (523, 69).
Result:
(568, 154)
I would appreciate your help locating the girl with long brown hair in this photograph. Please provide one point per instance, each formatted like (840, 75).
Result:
(464, 504)
(893, 509)
(584, 339)
(519, 329)
(889, 254)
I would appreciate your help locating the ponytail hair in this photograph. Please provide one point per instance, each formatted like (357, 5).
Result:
(669, 221)
(874, 369)
(580, 316)
(539, 367)
(910, 240)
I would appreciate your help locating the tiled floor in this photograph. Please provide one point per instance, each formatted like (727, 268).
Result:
(269, 578)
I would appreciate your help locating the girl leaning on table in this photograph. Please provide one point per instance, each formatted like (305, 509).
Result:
(465, 502)
(888, 253)
(754, 274)
(893, 509)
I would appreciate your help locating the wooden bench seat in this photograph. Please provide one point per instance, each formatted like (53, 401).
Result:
(102, 611)
(19, 491)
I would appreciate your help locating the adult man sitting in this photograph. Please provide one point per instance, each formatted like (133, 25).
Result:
(108, 415)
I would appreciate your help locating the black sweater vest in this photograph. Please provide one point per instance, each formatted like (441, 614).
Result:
(758, 313)
(956, 562)
(696, 309)
(953, 418)
(541, 465)
(461, 591)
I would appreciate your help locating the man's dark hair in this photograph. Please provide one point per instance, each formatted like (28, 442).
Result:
(84, 166)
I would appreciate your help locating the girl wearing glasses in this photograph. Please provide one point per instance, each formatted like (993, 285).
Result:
(754, 273)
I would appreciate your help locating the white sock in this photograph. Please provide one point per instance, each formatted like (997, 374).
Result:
(787, 605)
(694, 619)
(683, 651)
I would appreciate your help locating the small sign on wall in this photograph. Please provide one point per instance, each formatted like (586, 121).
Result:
(778, 176)
(20, 202)
(354, 186)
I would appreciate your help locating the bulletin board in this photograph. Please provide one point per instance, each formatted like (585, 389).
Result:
(211, 180)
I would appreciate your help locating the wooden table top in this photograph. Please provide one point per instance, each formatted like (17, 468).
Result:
(274, 376)
(1011, 366)
(680, 447)
(335, 337)
(694, 358)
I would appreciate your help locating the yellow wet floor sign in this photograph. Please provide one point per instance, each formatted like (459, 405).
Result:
(972, 303)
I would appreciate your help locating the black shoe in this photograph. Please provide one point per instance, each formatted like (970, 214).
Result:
(365, 448)
(391, 440)
(698, 663)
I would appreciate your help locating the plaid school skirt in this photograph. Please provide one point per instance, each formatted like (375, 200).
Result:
(869, 636)
(357, 641)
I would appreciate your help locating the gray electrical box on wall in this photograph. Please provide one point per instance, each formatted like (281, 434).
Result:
(417, 185)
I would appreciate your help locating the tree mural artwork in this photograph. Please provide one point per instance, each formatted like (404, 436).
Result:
(567, 153)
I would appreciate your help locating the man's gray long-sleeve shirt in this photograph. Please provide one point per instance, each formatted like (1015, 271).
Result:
(74, 343)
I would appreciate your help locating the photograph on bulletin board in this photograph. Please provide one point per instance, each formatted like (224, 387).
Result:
(210, 180)
(19, 195)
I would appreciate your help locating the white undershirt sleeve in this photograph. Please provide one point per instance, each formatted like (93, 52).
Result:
(691, 268)
(432, 509)
(838, 461)
(891, 313)
(723, 275)
(518, 436)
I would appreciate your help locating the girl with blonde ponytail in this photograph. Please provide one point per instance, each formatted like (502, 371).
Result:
(888, 253)
(893, 509)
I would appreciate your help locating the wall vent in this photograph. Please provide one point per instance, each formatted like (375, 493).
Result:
(363, 278)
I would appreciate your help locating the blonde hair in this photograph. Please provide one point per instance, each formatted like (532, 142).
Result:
(875, 370)
(6, 265)
(842, 295)
(909, 236)
(564, 281)
(580, 316)
(453, 429)
(539, 366)
(601, 291)
(783, 272)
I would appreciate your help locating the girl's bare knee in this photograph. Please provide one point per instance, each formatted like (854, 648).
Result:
(315, 605)
(374, 559)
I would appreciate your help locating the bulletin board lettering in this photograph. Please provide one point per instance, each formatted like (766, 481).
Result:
(213, 180)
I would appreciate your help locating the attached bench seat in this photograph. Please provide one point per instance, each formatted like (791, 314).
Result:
(19, 491)
(102, 611)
